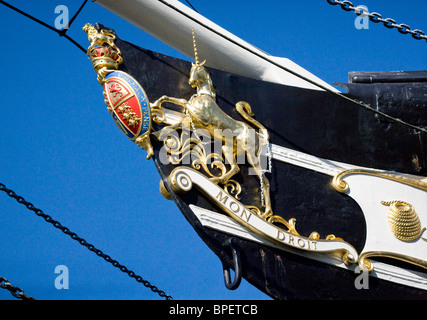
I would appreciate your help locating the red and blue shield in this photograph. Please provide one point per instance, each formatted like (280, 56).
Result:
(128, 104)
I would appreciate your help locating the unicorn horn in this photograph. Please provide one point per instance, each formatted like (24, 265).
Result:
(194, 46)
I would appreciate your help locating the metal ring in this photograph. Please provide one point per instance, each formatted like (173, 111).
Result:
(389, 23)
(237, 269)
(375, 17)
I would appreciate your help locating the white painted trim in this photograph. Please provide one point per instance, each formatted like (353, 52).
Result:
(321, 165)
(297, 158)
(223, 223)
(167, 24)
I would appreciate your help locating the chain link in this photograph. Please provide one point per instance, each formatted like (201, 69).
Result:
(377, 18)
(82, 241)
(14, 290)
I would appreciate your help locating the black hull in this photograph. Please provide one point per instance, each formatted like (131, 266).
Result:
(314, 122)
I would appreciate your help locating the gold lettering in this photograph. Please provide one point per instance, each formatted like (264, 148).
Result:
(314, 244)
(296, 242)
(221, 198)
(236, 206)
(245, 213)
(280, 235)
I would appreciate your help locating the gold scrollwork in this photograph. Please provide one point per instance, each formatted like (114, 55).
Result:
(158, 115)
(367, 265)
(342, 186)
(183, 148)
(201, 111)
(163, 191)
(288, 224)
(186, 149)
(403, 220)
(233, 188)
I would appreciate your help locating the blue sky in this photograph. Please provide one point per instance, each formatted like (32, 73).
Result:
(61, 150)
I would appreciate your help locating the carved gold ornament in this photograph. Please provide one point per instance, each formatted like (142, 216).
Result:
(104, 59)
(213, 172)
(400, 236)
(403, 221)
(124, 96)
(342, 186)
(189, 142)
(203, 112)
(182, 179)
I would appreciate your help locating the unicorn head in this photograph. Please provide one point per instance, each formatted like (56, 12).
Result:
(199, 76)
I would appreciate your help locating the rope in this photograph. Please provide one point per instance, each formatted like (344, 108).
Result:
(340, 95)
(191, 6)
(61, 33)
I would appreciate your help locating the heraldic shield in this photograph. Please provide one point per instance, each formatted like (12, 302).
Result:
(244, 198)
(128, 104)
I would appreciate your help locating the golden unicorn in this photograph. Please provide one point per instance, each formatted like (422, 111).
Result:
(203, 112)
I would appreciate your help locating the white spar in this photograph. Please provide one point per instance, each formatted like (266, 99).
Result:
(171, 21)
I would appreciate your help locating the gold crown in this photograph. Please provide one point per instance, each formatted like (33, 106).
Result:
(104, 57)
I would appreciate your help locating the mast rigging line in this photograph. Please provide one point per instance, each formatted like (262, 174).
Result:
(61, 33)
(192, 7)
(82, 241)
(402, 29)
(340, 95)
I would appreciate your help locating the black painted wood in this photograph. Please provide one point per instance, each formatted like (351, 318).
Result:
(314, 122)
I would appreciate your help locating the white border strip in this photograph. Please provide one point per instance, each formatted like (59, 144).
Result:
(223, 223)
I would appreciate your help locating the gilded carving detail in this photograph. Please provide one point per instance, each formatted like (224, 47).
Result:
(187, 144)
(342, 186)
(125, 98)
(190, 142)
(203, 112)
(403, 221)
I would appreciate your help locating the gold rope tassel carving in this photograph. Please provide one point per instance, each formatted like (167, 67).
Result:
(403, 221)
